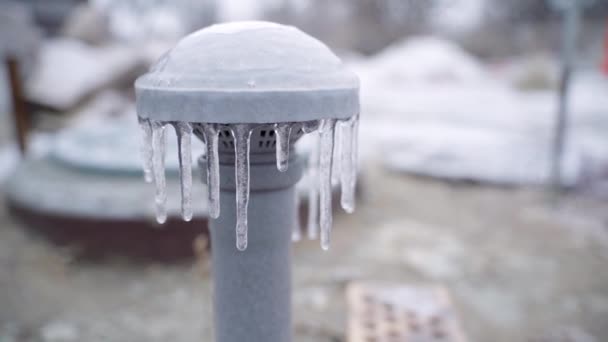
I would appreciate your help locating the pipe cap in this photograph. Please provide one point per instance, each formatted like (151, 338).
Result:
(248, 72)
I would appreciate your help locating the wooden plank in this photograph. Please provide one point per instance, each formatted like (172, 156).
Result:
(398, 313)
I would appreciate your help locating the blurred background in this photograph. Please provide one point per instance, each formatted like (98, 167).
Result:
(471, 180)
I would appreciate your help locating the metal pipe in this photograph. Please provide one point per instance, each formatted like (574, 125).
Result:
(252, 288)
(570, 33)
(261, 86)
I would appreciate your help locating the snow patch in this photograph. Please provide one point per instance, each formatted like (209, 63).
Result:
(426, 59)
(436, 110)
(69, 70)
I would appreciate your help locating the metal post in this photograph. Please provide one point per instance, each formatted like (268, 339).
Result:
(252, 289)
(569, 38)
(252, 95)
(20, 115)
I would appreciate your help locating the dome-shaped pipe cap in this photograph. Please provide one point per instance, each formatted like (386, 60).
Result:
(248, 72)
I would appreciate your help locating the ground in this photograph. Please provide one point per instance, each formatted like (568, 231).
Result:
(517, 268)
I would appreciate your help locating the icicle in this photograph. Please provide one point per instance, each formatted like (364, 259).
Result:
(213, 169)
(282, 133)
(336, 165)
(354, 153)
(313, 190)
(146, 149)
(242, 135)
(325, 166)
(159, 143)
(184, 146)
(347, 170)
(296, 234)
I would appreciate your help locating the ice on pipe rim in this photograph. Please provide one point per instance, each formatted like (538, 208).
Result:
(240, 78)
(248, 72)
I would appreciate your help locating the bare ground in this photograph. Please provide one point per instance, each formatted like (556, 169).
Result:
(517, 268)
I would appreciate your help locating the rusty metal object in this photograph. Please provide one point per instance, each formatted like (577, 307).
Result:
(400, 313)
(134, 239)
(20, 115)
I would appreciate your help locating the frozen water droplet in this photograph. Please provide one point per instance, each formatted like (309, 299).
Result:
(159, 143)
(296, 235)
(325, 166)
(213, 168)
(146, 149)
(354, 153)
(336, 165)
(313, 190)
(242, 135)
(184, 145)
(283, 133)
(348, 169)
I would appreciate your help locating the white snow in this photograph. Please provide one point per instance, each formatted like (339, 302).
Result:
(433, 109)
(69, 70)
(458, 15)
(425, 60)
(233, 10)
(237, 27)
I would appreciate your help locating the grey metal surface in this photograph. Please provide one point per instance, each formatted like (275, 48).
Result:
(263, 139)
(110, 146)
(252, 288)
(51, 186)
(248, 72)
(256, 74)
(572, 11)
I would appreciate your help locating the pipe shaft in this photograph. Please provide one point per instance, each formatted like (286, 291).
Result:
(252, 288)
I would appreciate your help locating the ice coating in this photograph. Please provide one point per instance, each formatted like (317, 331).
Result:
(146, 149)
(244, 58)
(355, 153)
(336, 143)
(241, 134)
(213, 169)
(327, 130)
(159, 143)
(336, 166)
(312, 228)
(282, 133)
(184, 145)
(348, 168)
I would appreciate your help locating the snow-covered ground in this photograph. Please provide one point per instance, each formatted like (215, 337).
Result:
(69, 70)
(435, 110)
